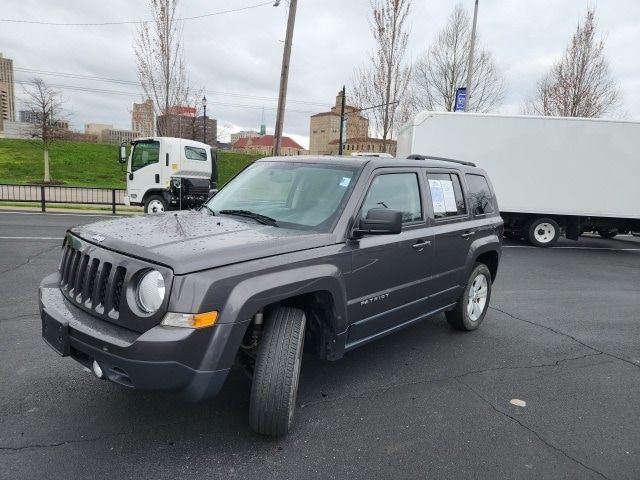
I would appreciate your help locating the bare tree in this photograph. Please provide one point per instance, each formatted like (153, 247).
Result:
(442, 68)
(383, 81)
(580, 83)
(160, 61)
(45, 107)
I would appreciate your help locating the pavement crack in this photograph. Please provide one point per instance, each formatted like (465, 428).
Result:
(29, 259)
(530, 429)
(383, 390)
(564, 334)
(18, 317)
(85, 440)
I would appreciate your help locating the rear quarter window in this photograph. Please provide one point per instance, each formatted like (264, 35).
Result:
(481, 199)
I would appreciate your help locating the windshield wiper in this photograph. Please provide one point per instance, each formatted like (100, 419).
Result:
(256, 216)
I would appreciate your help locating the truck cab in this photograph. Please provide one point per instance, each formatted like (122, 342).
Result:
(166, 173)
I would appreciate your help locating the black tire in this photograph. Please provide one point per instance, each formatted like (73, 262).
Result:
(608, 232)
(460, 318)
(277, 369)
(543, 232)
(152, 201)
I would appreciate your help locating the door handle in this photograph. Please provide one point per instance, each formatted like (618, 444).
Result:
(468, 233)
(419, 246)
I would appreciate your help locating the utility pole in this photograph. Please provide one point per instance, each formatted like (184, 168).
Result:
(284, 75)
(470, 65)
(341, 120)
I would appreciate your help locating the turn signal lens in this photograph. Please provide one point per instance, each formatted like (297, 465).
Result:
(190, 320)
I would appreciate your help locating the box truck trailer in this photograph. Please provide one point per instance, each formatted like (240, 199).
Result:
(551, 175)
(166, 173)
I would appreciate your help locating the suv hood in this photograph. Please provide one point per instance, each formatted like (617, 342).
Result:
(191, 241)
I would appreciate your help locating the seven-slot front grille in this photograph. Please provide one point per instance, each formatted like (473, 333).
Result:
(90, 282)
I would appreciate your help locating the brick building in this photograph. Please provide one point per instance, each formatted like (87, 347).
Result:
(143, 118)
(263, 145)
(364, 144)
(324, 128)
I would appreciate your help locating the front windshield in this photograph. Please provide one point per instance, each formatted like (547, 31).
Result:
(299, 195)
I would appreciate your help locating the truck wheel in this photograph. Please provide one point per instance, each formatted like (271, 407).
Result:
(276, 373)
(474, 302)
(155, 204)
(607, 232)
(543, 232)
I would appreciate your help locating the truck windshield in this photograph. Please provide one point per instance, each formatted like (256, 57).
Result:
(145, 153)
(296, 195)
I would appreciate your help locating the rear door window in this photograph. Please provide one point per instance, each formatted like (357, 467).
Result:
(481, 199)
(447, 199)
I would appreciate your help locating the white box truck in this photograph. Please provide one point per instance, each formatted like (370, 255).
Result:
(551, 175)
(166, 173)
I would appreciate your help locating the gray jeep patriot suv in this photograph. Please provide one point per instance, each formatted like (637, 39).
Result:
(329, 252)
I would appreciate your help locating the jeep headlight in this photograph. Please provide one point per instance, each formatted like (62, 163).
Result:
(150, 292)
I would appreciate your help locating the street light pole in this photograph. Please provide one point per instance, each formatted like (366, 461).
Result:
(204, 119)
(470, 64)
(284, 75)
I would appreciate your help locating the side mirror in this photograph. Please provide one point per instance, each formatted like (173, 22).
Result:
(380, 221)
(123, 154)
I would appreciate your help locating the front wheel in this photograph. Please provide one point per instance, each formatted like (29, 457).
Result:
(277, 369)
(474, 302)
(543, 232)
(155, 204)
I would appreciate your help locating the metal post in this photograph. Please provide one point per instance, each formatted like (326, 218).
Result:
(341, 120)
(204, 120)
(284, 76)
(42, 199)
(470, 64)
(113, 201)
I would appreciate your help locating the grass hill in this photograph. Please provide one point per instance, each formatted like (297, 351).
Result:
(83, 164)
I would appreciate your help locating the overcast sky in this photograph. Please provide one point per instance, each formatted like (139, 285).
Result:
(236, 56)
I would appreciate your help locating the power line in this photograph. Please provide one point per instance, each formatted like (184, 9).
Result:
(138, 22)
(82, 89)
(77, 76)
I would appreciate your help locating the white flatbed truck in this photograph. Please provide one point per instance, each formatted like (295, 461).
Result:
(551, 175)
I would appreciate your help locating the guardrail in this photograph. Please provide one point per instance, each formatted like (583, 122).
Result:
(44, 194)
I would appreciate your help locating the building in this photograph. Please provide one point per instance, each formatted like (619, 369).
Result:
(243, 134)
(364, 144)
(143, 118)
(183, 122)
(96, 128)
(117, 136)
(13, 129)
(7, 95)
(33, 117)
(263, 145)
(4, 104)
(325, 128)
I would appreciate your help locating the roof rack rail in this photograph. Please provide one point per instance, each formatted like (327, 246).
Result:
(429, 157)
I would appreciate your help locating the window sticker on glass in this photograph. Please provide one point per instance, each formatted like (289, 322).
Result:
(437, 196)
(345, 182)
(449, 196)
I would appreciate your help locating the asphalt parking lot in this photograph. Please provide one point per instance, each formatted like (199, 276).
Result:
(563, 336)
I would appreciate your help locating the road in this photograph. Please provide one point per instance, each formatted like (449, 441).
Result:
(563, 335)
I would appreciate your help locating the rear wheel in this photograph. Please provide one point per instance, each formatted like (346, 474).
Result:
(607, 232)
(155, 204)
(474, 302)
(543, 232)
(277, 370)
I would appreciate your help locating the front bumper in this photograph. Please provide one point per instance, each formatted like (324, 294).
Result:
(176, 360)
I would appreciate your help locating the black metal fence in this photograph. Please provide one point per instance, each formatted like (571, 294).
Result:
(44, 194)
